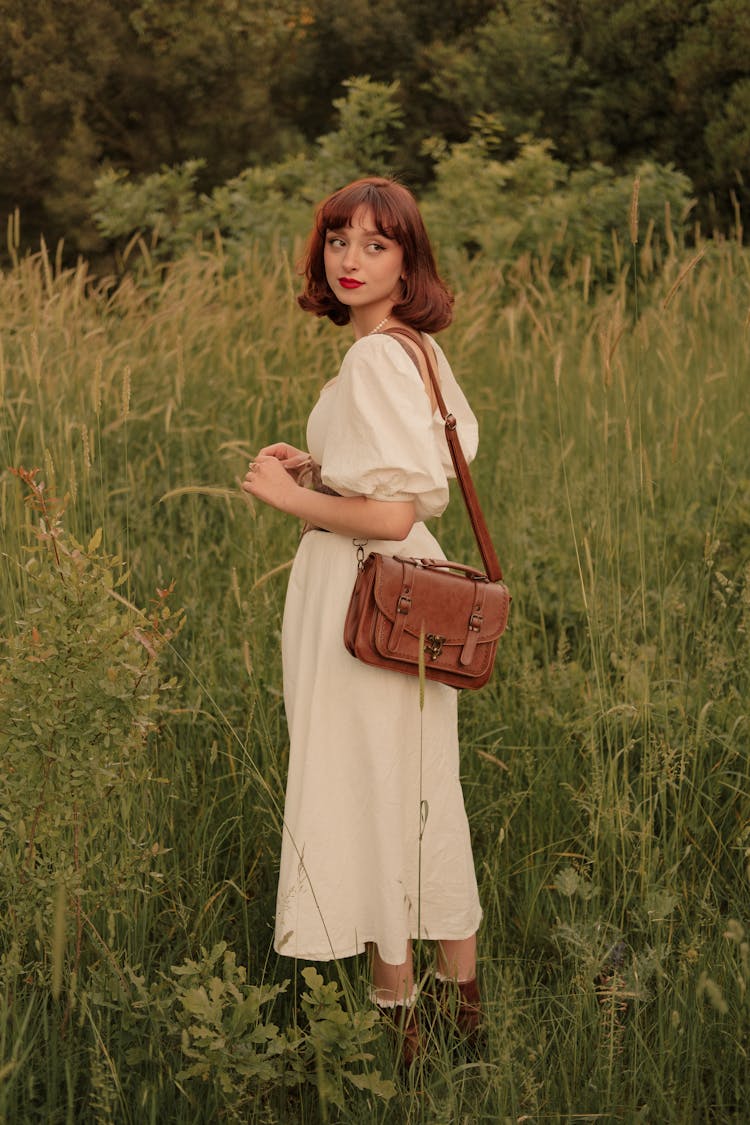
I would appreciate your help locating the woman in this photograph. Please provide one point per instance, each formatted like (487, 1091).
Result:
(376, 847)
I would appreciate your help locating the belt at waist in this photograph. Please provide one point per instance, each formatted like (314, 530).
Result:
(316, 484)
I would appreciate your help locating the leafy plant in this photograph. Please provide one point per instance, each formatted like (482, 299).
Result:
(533, 204)
(220, 1026)
(166, 209)
(528, 204)
(80, 691)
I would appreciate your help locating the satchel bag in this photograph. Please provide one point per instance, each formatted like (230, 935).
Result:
(456, 614)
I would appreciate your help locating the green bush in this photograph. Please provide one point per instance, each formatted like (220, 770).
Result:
(273, 201)
(81, 688)
(534, 205)
(208, 1026)
(527, 205)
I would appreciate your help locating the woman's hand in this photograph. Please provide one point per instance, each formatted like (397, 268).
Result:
(268, 479)
(294, 460)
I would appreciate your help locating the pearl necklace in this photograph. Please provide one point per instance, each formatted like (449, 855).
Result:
(377, 327)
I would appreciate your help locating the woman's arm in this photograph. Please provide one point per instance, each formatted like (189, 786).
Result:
(359, 516)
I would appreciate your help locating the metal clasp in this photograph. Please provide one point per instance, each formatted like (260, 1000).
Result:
(360, 544)
(433, 645)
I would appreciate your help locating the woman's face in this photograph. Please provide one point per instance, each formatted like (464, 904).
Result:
(364, 268)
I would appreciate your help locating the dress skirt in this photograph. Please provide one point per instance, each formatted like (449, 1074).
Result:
(376, 843)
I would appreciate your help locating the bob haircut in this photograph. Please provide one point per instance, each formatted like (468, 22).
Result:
(427, 303)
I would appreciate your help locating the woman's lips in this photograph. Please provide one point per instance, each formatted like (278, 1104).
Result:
(349, 283)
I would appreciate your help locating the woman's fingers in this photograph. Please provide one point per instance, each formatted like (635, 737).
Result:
(267, 479)
(296, 460)
(282, 451)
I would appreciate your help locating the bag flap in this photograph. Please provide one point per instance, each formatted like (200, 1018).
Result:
(438, 600)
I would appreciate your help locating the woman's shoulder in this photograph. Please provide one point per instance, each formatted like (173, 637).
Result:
(378, 368)
(380, 351)
(398, 349)
(373, 344)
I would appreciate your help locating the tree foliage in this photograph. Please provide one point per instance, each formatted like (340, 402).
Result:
(710, 72)
(276, 199)
(615, 82)
(228, 86)
(479, 201)
(133, 85)
(534, 203)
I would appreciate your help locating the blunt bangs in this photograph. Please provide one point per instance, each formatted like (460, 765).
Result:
(338, 211)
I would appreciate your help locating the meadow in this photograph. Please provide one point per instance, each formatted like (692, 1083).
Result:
(142, 738)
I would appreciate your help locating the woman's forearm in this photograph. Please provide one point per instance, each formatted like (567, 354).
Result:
(358, 516)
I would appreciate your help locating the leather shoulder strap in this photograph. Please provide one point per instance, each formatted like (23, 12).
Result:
(468, 491)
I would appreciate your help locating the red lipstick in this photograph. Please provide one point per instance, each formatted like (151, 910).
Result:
(350, 283)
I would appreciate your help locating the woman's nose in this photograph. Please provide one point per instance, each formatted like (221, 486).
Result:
(351, 258)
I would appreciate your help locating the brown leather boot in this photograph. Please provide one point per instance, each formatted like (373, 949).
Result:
(460, 1002)
(404, 1022)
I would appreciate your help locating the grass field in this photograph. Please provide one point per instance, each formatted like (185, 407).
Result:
(605, 768)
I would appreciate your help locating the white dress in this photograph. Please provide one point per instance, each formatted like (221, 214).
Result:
(369, 771)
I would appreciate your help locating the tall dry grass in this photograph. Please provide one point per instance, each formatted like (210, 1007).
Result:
(605, 769)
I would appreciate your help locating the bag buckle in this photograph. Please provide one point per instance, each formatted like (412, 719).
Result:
(433, 645)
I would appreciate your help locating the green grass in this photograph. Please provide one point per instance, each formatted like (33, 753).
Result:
(605, 768)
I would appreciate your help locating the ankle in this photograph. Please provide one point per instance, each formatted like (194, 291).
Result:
(453, 978)
(388, 998)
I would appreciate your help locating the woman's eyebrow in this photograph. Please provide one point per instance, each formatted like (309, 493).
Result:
(378, 234)
(366, 233)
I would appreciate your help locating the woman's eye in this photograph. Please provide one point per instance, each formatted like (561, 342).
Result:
(334, 241)
(376, 246)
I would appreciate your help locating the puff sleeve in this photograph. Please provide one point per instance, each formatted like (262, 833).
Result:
(383, 440)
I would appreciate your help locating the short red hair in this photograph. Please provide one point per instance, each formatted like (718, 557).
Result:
(427, 303)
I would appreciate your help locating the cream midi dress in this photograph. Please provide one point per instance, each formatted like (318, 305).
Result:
(368, 771)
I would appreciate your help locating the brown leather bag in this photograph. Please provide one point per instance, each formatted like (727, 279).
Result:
(455, 612)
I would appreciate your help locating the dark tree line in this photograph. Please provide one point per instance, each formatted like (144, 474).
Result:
(86, 84)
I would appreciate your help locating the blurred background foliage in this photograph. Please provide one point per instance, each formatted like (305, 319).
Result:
(221, 112)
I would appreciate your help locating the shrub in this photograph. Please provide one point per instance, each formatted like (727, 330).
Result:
(80, 691)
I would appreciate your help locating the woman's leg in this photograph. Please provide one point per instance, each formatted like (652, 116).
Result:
(393, 991)
(392, 984)
(457, 988)
(457, 960)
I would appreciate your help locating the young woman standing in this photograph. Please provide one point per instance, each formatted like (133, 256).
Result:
(376, 849)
